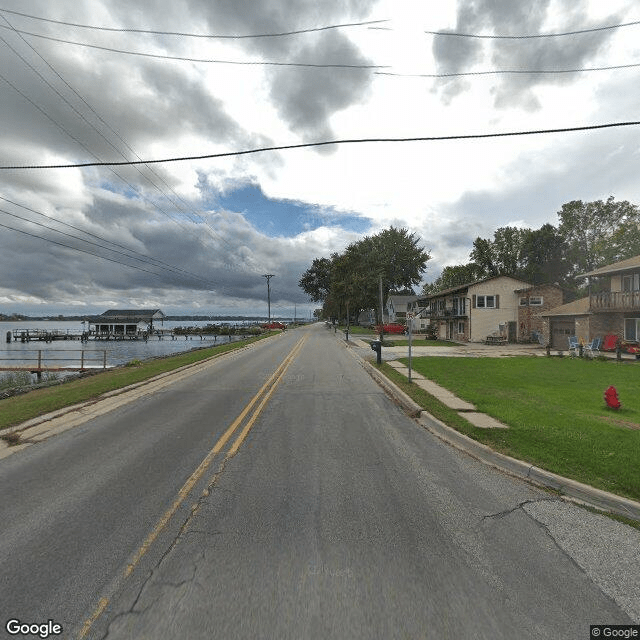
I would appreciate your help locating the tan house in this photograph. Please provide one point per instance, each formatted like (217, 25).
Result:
(474, 311)
(615, 310)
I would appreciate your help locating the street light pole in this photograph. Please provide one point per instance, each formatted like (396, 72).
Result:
(268, 276)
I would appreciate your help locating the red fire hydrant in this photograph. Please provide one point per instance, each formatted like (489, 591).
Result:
(611, 398)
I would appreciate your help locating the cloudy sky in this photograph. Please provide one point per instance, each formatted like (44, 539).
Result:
(112, 80)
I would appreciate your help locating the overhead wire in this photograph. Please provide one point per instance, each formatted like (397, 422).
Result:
(195, 35)
(377, 69)
(159, 56)
(141, 257)
(325, 143)
(91, 253)
(69, 235)
(559, 34)
(177, 278)
(100, 133)
(507, 72)
(368, 23)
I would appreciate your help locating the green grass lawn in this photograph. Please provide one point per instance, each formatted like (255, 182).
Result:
(404, 342)
(17, 409)
(357, 330)
(556, 412)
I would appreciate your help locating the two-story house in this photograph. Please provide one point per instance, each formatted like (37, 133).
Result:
(616, 310)
(473, 311)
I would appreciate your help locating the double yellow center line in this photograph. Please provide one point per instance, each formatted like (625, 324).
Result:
(261, 398)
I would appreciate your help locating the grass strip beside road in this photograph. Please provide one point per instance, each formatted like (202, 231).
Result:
(424, 343)
(555, 410)
(17, 409)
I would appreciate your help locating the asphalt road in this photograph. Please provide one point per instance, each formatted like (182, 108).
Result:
(241, 504)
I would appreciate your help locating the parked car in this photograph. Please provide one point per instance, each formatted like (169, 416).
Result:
(392, 327)
(274, 325)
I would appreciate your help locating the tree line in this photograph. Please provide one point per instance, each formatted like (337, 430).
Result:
(349, 282)
(588, 235)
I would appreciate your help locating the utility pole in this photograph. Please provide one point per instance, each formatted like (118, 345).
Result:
(381, 313)
(268, 276)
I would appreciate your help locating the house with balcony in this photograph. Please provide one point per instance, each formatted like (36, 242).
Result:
(611, 309)
(474, 311)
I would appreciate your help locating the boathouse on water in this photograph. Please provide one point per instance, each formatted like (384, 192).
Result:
(124, 323)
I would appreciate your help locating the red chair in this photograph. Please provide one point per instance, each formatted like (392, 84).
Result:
(610, 342)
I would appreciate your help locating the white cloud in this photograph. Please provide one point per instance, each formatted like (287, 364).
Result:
(447, 192)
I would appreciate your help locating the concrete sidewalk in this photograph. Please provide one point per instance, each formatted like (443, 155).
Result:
(464, 408)
(467, 350)
(571, 489)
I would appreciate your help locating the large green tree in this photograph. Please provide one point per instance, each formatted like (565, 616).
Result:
(395, 255)
(316, 281)
(595, 232)
(452, 276)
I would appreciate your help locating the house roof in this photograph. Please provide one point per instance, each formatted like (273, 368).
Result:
(470, 284)
(536, 287)
(401, 300)
(578, 307)
(622, 265)
(132, 314)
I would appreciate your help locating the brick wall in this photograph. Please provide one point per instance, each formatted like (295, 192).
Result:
(530, 317)
(603, 323)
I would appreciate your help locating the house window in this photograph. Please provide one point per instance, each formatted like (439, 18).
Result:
(460, 327)
(535, 301)
(524, 302)
(632, 329)
(631, 282)
(459, 306)
(486, 302)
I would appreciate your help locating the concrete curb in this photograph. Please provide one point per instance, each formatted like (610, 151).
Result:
(571, 489)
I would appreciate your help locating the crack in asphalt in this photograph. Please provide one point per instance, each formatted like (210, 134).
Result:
(520, 505)
(564, 552)
(182, 532)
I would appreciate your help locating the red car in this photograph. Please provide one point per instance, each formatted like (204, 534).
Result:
(274, 325)
(392, 327)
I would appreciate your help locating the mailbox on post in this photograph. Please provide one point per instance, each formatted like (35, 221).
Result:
(376, 345)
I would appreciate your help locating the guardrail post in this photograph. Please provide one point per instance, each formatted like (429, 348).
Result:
(82, 360)
(104, 359)
(39, 358)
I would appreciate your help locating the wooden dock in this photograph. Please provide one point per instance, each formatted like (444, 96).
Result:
(37, 361)
(44, 335)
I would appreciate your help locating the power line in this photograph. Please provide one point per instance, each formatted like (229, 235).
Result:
(77, 141)
(506, 72)
(531, 36)
(256, 63)
(314, 65)
(195, 35)
(215, 286)
(101, 134)
(151, 261)
(326, 143)
(68, 246)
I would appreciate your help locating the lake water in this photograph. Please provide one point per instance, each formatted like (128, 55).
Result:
(118, 352)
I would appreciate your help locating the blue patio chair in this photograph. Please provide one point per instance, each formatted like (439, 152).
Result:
(593, 347)
(574, 346)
